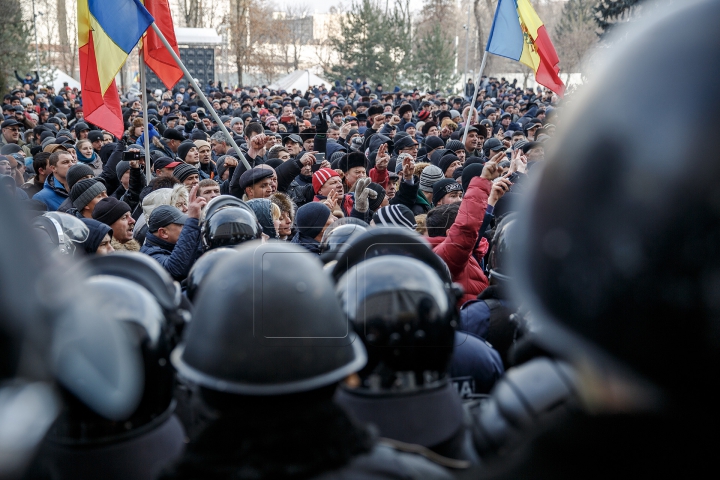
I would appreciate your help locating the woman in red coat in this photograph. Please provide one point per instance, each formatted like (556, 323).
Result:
(458, 245)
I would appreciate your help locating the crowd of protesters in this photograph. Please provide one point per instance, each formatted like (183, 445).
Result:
(377, 285)
(325, 167)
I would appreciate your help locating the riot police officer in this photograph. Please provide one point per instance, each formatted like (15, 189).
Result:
(620, 271)
(398, 296)
(266, 357)
(141, 435)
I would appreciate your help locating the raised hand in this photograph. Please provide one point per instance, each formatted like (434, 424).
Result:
(196, 204)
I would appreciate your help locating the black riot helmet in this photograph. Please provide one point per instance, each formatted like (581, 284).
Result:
(202, 267)
(141, 269)
(275, 329)
(629, 263)
(336, 239)
(139, 314)
(222, 201)
(501, 250)
(150, 275)
(230, 226)
(61, 232)
(382, 241)
(406, 316)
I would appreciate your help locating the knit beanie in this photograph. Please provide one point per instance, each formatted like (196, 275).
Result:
(109, 210)
(263, 212)
(184, 148)
(429, 176)
(84, 191)
(182, 171)
(122, 167)
(443, 187)
(432, 142)
(76, 172)
(395, 216)
(311, 217)
(469, 172)
(446, 161)
(457, 173)
(321, 176)
(375, 203)
(454, 145)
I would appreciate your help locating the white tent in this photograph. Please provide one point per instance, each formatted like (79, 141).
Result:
(61, 77)
(197, 36)
(299, 80)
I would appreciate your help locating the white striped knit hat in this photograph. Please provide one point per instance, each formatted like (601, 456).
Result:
(395, 216)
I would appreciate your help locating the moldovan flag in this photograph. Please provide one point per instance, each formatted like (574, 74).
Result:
(518, 33)
(156, 57)
(107, 33)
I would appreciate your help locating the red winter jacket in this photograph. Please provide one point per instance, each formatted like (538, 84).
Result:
(457, 248)
(381, 177)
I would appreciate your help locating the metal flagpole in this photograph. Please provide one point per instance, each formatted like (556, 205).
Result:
(146, 133)
(475, 93)
(201, 94)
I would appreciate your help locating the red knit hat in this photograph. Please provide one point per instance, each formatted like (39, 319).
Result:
(322, 176)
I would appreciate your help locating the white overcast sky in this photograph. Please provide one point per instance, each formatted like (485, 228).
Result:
(323, 7)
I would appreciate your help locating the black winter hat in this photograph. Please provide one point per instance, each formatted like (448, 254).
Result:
(76, 172)
(199, 135)
(351, 160)
(454, 145)
(95, 135)
(109, 210)
(446, 161)
(311, 218)
(122, 167)
(183, 171)
(172, 134)
(443, 187)
(84, 191)
(253, 176)
(184, 148)
(469, 172)
(432, 142)
(492, 144)
(404, 109)
(404, 141)
(377, 201)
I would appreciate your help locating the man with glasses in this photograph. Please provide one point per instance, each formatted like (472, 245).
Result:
(11, 134)
(407, 144)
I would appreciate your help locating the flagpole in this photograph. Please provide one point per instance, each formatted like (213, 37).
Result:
(146, 133)
(201, 94)
(475, 94)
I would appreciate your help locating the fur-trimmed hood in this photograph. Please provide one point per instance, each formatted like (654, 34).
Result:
(131, 246)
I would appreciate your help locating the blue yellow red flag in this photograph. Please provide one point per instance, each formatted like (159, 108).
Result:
(107, 33)
(518, 33)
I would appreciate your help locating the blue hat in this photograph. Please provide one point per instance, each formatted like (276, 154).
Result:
(311, 218)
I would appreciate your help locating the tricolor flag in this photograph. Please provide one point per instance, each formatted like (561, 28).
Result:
(518, 33)
(107, 33)
(156, 57)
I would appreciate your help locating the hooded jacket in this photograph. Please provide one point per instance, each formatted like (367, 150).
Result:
(458, 248)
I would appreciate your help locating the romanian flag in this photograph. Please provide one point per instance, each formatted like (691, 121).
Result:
(156, 57)
(518, 33)
(108, 30)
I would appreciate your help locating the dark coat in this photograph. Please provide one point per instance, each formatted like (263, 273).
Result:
(179, 258)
